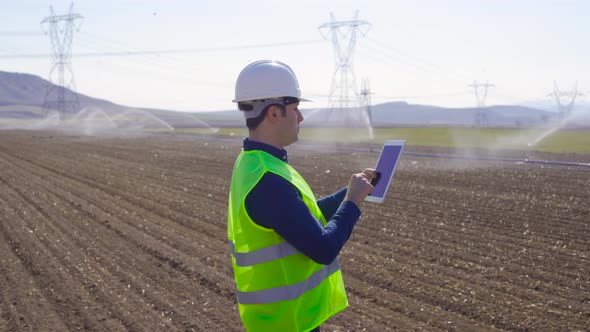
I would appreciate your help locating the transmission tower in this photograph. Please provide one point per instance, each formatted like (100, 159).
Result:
(565, 108)
(481, 118)
(366, 100)
(60, 94)
(343, 34)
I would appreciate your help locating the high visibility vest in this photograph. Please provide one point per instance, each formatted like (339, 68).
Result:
(278, 287)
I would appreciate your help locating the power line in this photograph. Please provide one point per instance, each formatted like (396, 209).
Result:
(390, 55)
(162, 62)
(20, 33)
(167, 51)
(411, 60)
(450, 94)
(163, 65)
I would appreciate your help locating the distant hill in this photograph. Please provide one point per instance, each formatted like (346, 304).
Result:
(404, 114)
(30, 90)
(399, 113)
(22, 96)
(496, 116)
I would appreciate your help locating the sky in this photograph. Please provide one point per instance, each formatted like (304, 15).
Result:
(186, 55)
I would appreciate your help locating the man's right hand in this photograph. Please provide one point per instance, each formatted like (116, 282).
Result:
(360, 186)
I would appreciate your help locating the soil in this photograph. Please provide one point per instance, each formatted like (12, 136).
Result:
(129, 234)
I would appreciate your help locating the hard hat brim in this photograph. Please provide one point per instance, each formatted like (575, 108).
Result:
(300, 99)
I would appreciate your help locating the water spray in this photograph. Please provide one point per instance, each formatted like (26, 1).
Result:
(366, 105)
(565, 104)
(565, 108)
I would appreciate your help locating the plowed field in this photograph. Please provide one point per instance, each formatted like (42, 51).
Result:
(129, 234)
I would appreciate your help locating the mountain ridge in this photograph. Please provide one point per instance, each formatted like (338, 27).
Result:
(21, 90)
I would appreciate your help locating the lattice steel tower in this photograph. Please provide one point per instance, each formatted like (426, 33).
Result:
(565, 108)
(343, 34)
(481, 118)
(366, 100)
(60, 94)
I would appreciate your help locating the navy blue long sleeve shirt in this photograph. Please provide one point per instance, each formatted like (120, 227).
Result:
(277, 204)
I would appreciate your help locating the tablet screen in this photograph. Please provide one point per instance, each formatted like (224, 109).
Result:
(386, 164)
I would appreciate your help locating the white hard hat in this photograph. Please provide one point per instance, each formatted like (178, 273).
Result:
(266, 79)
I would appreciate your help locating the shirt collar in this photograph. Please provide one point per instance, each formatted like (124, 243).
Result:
(272, 150)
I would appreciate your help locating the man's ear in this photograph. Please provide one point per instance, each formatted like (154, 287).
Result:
(273, 113)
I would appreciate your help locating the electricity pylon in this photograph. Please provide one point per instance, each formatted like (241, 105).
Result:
(366, 100)
(481, 118)
(343, 34)
(60, 94)
(565, 108)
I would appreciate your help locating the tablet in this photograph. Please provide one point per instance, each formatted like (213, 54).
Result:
(390, 154)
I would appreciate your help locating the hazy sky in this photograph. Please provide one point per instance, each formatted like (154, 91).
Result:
(422, 51)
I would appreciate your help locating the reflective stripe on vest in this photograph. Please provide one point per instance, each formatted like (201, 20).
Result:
(270, 253)
(290, 292)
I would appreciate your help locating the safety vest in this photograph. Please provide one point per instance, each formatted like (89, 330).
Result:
(278, 287)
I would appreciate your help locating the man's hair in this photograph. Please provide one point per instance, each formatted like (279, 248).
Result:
(253, 123)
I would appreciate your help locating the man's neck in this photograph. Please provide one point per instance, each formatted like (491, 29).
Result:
(266, 139)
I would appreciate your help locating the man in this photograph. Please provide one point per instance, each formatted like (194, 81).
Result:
(284, 242)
